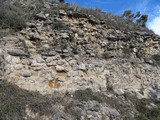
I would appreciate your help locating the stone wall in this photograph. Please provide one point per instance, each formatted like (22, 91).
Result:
(85, 56)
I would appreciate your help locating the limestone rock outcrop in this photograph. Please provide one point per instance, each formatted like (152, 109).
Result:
(83, 54)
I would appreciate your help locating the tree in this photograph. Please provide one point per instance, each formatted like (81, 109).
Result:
(127, 13)
(137, 15)
(61, 1)
(136, 18)
(142, 20)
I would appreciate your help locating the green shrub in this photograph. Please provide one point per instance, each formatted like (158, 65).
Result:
(156, 57)
(147, 113)
(13, 101)
(88, 94)
(10, 18)
(58, 25)
(144, 110)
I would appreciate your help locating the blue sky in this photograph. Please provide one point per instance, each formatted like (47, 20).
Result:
(150, 7)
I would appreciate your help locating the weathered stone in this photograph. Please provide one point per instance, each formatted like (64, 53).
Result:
(149, 61)
(31, 25)
(47, 6)
(62, 12)
(37, 68)
(80, 33)
(111, 111)
(41, 16)
(135, 50)
(143, 33)
(16, 60)
(93, 106)
(93, 20)
(33, 36)
(34, 63)
(82, 67)
(49, 59)
(65, 35)
(17, 52)
(48, 53)
(18, 66)
(60, 69)
(40, 60)
(26, 73)
(65, 51)
(60, 62)
(118, 92)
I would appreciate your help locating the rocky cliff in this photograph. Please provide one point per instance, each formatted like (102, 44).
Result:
(90, 64)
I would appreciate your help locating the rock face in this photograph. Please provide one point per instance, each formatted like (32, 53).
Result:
(88, 55)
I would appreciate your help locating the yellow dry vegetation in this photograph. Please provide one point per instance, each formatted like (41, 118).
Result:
(54, 84)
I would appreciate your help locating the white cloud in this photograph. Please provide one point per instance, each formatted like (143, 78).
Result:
(154, 22)
(154, 25)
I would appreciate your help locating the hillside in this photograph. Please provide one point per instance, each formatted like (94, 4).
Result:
(61, 61)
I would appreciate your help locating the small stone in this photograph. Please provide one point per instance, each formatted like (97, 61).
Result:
(18, 67)
(26, 73)
(52, 53)
(82, 67)
(31, 25)
(33, 36)
(34, 63)
(92, 55)
(48, 53)
(62, 12)
(93, 20)
(37, 68)
(60, 62)
(81, 33)
(93, 106)
(111, 111)
(41, 16)
(119, 92)
(40, 60)
(47, 6)
(65, 35)
(135, 50)
(49, 59)
(149, 61)
(106, 72)
(60, 69)
(65, 50)
(16, 60)
(8, 58)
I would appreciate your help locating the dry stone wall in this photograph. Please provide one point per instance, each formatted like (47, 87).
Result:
(63, 54)
(86, 56)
